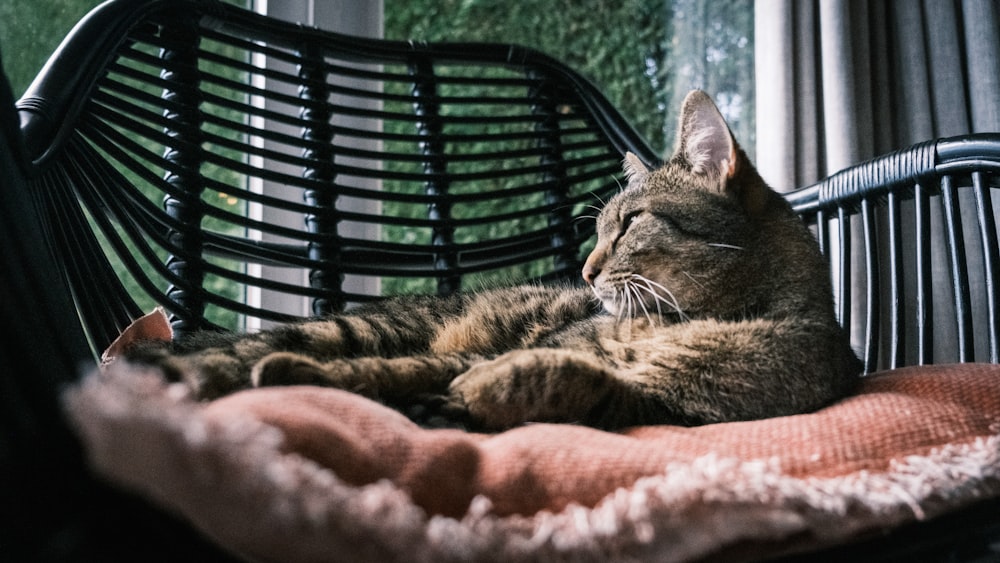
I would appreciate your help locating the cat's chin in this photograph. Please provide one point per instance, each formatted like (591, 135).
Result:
(608, 299)
(614, 306)
(610, 308)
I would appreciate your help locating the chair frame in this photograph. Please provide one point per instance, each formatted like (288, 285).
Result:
(68, 206)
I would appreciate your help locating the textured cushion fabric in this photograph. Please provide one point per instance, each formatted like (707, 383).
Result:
(298, 473)
(548, 466)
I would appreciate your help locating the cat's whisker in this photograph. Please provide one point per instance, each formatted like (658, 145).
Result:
(631, 307)
(634, 289)
(724, 245)
(564, 206)
(658, 299)
(620, 307)
(634, 303)
(594, 217)
(692, 278)
(618, 181)
(659, 309)
(652, 286)
(625, 313)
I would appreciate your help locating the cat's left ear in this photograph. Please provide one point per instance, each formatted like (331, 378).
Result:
(704, 140)
(635, 170)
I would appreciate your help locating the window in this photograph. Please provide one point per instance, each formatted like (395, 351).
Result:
(644, 54)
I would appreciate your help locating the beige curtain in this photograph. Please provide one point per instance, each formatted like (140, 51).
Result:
(841, 81)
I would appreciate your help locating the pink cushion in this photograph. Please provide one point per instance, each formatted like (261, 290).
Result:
(293, 473)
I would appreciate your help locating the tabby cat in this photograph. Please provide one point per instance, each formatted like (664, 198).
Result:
(712, 304)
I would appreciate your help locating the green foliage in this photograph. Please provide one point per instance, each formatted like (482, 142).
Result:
(645, 55)
(713, 50)
(619, 45)
(31, 30)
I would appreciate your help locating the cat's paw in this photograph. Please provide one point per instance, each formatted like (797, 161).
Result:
(491, 396)
(525, 386)
(434, 410)
(287, 368)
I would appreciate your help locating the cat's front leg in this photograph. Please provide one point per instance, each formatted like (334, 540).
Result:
(391, 379)
(536, 385)
(210, 373)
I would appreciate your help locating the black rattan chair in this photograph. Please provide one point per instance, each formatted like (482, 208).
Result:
(237, 170)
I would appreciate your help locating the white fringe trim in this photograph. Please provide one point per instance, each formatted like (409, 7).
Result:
(269, 506)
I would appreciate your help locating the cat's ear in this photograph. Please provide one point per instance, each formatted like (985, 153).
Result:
(704, 141)
(635, 170)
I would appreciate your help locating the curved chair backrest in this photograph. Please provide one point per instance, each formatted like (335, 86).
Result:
(239, 170)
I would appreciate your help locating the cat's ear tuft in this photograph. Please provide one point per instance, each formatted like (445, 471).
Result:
(635, 170)
(704, 140)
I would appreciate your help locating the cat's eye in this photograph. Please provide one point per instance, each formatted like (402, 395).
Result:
(626, 222)
(629, 219)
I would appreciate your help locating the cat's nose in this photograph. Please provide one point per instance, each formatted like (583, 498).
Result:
(592, 266)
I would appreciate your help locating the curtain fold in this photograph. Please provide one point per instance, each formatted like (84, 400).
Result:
(982, 37)
(842, 81)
